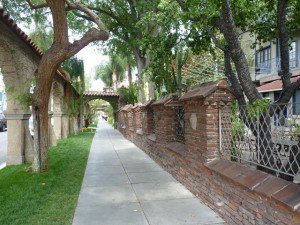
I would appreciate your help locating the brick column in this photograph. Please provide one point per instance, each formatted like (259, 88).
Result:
(147, 118)
(202, 107)
(130, 123)
(164, 117)
(123, 121)
(137, 122)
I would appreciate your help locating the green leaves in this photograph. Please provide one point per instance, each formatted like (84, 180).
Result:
(116, 65)
(129, 94)
(257, 108)
(75, 68)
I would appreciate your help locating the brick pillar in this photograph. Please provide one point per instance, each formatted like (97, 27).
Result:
(130, 123)
(147, 118)
(202, 106)
(137, 120)
(164, 118)
(124, 122)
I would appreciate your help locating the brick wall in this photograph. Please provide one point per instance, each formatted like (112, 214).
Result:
(241, 195)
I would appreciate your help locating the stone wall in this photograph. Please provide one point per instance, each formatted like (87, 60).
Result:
(240, 194)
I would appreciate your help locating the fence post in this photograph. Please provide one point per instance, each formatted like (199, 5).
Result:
(201, 106)
(164, 116)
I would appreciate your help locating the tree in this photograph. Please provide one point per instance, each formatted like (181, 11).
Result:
(122, 18)
(224, 22)
(227, 18)
(130, 94)
(42, 34)
(181, 58)
(60, 50)
(75, 68)
(162, 59)
(113, 72)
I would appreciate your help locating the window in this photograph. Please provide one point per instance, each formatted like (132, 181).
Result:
(265, 95)
(293, 55)
(296, 102)
(263, 60)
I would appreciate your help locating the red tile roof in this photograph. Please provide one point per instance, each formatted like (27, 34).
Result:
(275, 85)
(11, 24)
(100, 94)
(5, 18)
(203, 90)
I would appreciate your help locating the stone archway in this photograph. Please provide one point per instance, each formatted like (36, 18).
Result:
(19, 58)
(111, 97)
(17, 70)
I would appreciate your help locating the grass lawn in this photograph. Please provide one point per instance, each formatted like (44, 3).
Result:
(50, 197)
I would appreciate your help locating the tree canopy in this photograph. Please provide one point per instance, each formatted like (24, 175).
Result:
(113, 72)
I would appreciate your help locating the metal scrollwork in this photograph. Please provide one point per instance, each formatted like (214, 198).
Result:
(179, 124)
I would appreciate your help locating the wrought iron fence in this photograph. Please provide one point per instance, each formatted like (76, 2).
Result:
(263, 135)
(179, 125)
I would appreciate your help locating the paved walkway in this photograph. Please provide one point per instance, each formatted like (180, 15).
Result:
(122, 185)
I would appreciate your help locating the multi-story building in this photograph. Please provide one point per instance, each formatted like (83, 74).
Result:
(265, 65)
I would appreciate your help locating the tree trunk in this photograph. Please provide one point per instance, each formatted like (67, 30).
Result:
(129, 74)
(60, 50)
(45, 74)
(115, 80)
(141, 62)
(265, 146)
(228, 28)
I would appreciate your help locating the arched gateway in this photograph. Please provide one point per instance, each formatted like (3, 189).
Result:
(109, 96)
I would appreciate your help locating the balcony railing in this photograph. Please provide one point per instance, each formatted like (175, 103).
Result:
(273, 65)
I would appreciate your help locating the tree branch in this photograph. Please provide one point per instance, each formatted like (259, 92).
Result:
(236, 86)
(83, 16)
(229, 30)
(38, 5)
(214, 39)
(284, 43)
(132, 8)
(90, 36)
(89, 12)
(288, 92)
(108, 14)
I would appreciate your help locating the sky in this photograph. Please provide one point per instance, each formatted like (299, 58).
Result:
(92, 57)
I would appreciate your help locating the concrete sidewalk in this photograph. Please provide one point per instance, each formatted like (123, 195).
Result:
(122, 185)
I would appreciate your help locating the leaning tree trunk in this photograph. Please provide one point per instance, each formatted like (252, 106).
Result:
(264, 143)
(45, 74)
(141, 62)
(129, 74)
(262, 128)
(228, 28)
(115, 81)
(60, 50)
